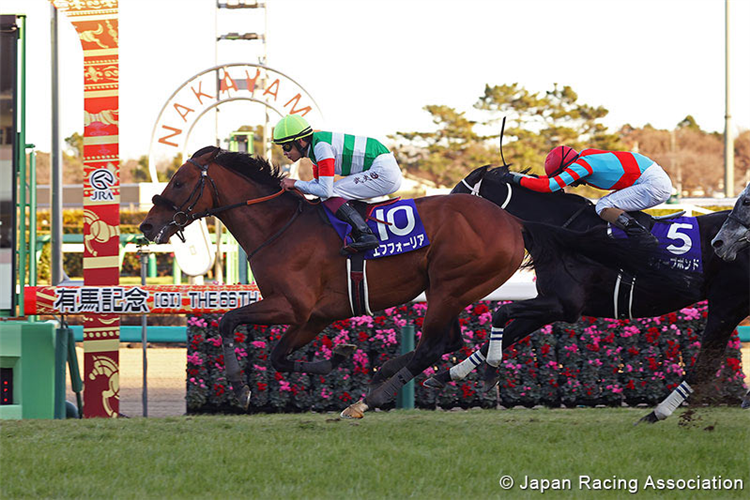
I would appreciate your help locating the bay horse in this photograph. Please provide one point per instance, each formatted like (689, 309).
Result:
(474, 248)
(590, 289)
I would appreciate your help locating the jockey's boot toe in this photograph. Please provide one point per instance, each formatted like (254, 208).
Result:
(643, 237)
(363, 243)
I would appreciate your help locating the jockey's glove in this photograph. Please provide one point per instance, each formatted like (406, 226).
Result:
(514, 177)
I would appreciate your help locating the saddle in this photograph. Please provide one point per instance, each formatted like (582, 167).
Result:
(364, 208)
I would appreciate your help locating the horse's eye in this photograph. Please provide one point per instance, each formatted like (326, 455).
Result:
(178, 184)
(746, 201)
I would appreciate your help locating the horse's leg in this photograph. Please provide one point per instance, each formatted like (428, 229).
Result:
(436, 330)
(525, 317)
(296, 337)
(724, 314)
(269, 311)
(392, 366)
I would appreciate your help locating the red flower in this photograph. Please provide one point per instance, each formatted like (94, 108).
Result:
(262, 386)
(214, 324)
(630, 385)
(345, 397)
(239, 337)
(467, 391)
(734, 364)
(633, 351)
(481, 308)
(363, 336)
(327, 342)
(278, 376)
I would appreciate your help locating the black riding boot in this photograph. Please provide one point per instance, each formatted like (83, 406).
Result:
(363, 238)
(636, 231)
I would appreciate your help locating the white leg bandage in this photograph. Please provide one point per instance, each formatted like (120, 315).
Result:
(495, 351)
(673, 401)
(461, 370)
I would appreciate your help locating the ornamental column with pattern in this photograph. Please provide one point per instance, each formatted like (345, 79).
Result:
(96, 22)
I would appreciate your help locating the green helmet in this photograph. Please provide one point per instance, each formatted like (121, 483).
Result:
(290, 128)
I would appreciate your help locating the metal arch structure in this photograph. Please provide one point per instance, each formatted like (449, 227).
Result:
(232, 82)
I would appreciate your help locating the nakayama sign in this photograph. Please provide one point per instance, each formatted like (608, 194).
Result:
(219, 85)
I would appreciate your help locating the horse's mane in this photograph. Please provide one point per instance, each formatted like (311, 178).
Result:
(252, 167)
(561, 195)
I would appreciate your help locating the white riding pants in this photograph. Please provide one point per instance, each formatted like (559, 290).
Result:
(382, 178)
(652, 188)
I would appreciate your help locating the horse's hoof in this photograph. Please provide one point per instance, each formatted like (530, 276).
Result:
(244, 397)
(345, 350)
(651, 418)
(356, 410)
(489, 384)
(433, 383)
(746, 401)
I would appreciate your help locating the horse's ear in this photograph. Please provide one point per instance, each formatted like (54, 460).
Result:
(217, 151)
(483, 171)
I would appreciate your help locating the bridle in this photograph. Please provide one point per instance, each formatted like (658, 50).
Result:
(739, 221)
(182, 218)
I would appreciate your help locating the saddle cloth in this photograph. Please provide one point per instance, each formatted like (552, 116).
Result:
(396, 223)
(679, 243)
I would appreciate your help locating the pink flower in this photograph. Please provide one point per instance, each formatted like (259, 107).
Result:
(194, 359)
(214, 341)
(258, 344)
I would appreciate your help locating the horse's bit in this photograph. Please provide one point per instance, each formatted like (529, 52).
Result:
(182, 218)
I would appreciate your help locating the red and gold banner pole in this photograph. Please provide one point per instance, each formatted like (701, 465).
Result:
(96, 22)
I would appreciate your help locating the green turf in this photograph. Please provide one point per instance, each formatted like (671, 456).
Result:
(400, 454)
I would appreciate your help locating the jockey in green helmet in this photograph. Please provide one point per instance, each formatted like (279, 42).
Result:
(368, 170)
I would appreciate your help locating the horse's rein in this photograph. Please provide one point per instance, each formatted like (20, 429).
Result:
(474, 190)
(183, 218)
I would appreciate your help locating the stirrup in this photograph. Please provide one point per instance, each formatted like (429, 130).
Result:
(358, 246)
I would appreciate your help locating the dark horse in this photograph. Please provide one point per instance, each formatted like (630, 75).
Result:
(588, 288)
(474, 248)
(732, 239)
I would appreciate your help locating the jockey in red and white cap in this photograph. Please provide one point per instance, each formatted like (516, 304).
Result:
(636, 182)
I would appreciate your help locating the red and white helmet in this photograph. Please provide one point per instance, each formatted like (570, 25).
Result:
(558, 159)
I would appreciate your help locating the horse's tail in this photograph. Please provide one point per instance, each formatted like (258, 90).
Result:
(548, 245)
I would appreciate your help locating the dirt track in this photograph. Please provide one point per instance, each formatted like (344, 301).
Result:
(166, 379)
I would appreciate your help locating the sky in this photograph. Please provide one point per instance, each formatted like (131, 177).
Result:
(372, 66)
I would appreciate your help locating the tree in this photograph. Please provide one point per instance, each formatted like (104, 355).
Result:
(446, 155)
(72, 159)
(537, 122)
(541, 121)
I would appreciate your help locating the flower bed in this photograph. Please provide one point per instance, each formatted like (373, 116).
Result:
(592, 362)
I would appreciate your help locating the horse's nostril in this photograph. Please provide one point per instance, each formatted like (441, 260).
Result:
(717, 243)
(144, 227)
